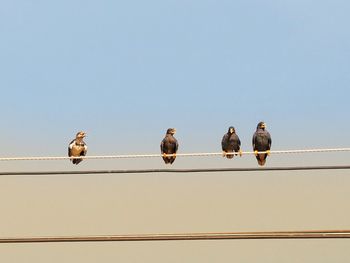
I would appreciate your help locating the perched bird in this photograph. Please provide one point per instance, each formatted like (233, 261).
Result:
(231, 143)
(169, 145)
(261, 143)
(77, 147)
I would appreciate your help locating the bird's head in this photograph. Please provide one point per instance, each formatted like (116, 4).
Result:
(80, 135)
(231, 130)
(171, 131)
(261, 125)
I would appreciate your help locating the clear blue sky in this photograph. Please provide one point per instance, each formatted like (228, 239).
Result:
(125, 71)
(131, 69)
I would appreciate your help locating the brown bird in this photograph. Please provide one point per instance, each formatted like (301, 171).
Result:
(231, 143)
(261, 143)
(77, 147)
(169, 145)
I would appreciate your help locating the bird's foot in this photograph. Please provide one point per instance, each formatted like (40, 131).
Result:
(224, 154)
(268, 152)
(256, 153)
(240, 153)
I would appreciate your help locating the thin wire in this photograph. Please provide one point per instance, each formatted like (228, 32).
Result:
(323, 234)
(201, 170)
(129, 156)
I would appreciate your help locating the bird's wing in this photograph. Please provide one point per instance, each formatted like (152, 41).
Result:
(238, 141)
(254, 140)
(71, 144)
(70, 148)
(176, 145)
(162, 145)
(269, 139)
(224, 142)
(85, 149)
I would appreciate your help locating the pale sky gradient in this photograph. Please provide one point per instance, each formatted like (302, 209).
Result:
(124, 72)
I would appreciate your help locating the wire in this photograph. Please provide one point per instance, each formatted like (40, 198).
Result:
(323, 234)
(130, 156)
(201, 170)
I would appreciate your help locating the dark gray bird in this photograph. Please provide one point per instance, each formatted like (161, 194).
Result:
(169, 145)
(231, 143)
(261, 143)
(77, 147)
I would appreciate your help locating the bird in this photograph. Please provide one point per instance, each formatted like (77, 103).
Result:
(169, 145)
(77, 147)
(261, 143)
(231, 143)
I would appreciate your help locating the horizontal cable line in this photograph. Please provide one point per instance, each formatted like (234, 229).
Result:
(186, 236)
(192, 170)
(129, 156)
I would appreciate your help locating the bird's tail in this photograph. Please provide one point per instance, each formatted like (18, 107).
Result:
(230, 156)
(261, 159)
(76, 161)
(166, 160)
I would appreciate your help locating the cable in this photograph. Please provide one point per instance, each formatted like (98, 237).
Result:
(200, 170)
(129, 156)
(323, 234)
